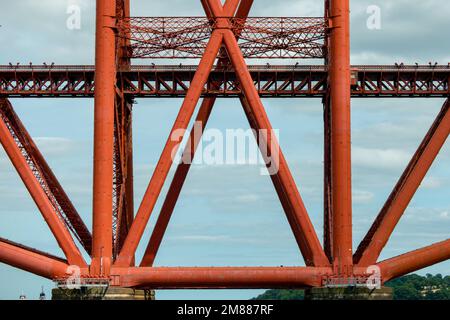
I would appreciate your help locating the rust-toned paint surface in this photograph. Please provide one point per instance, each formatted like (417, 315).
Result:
(223, 39)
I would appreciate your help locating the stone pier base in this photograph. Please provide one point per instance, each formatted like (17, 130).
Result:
(348, 293)
(102, 293)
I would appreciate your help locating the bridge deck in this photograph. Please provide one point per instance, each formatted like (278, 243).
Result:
(147, 81)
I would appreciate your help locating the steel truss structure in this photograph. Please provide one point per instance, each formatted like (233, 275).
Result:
(222, 40)
(181, 37)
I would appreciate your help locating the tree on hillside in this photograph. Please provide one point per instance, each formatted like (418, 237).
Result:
(410, 287)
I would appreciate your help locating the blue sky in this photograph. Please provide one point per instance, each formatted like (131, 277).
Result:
(230, 215)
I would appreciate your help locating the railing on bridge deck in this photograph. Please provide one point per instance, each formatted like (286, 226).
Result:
(270, 80)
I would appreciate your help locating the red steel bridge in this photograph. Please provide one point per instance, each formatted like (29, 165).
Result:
(222, 40)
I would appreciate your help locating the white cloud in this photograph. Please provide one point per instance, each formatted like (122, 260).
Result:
(3, 158)
(53, 145)
(219, 239)
(200, 238)
(380, 158)
(431, 183)
(426, 214)
(360, 196)
(48, 146)
(247, 198)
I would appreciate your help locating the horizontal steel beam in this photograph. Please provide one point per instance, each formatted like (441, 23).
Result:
(219, 277)
(31, 260)
(414, 260)
(30, 249)
(271, 81)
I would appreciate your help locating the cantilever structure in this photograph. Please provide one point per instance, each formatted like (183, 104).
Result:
(222, 40)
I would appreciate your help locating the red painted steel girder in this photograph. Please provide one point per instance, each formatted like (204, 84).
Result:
(13, 138)
(262, 37)
(123, 203)
(306, 237)
(117, 83)
(123, 188)
(104, 111)
(392, 211)
(340, 132)
(165, 161)
(220, 277)
(176, 185)
(291, 200)
(188, 153)
(44, 175)
(414, 260)
(270, 81)
(288, 192)
(327, 186)
(34, 250)
(31, 260)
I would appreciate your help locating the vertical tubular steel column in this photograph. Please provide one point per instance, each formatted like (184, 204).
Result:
(339, 83)
(105, 81)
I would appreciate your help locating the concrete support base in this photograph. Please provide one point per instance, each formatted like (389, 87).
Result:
(348, 293)
(102, 293)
